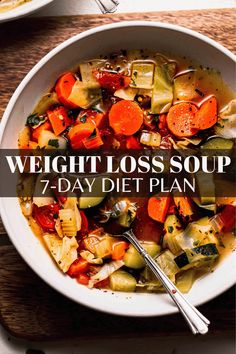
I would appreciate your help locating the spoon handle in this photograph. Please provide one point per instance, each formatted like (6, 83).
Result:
(196, 321)
(107, 6)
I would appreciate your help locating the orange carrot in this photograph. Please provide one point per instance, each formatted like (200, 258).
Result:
(206, 116)
(118, 250)
(126, 117)
(59, 119)
(80, 132)
(64, 87)
(184, 206)
(158, 207)
(36, 132)
(94, 141)
(180, 119)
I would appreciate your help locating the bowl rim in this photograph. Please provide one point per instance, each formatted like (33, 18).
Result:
(23, 10)
(11, 104)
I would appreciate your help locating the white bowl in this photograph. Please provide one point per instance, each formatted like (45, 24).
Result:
(105, 39)
(23, 10)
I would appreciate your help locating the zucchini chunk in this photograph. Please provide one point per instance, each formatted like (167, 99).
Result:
(122, 281)
(197, 256)
(218, 144)
(132, 258)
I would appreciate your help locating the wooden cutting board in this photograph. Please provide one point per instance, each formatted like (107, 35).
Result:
(28, 307)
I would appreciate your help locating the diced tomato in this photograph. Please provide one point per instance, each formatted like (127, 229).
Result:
(84, 223)
(46, 215)
(228, 216)
(59, 119)
(133, 143)
(79, 266)
(162, 125)
(83, 279)
(102, 284)
(112, 81)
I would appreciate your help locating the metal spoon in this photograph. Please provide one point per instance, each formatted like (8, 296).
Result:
(196, 321)
(107, 6)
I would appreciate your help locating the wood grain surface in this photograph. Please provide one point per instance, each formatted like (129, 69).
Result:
(28, 307)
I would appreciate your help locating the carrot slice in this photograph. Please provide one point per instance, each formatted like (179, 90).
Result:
(206, 116)
(126, 117)
(36, 132)
(158, 207)
(180, 119)
(118, 250)
(80, 132)
(64, 87)
(59, 119)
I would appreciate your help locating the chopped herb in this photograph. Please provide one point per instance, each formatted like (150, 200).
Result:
(83, 118)
(34, 119)
(54, 143)
(55, 216)
(219, 125)
(170, 229)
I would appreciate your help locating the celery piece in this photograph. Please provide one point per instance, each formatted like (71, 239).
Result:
(162, 96)
(122, 281)
(142, 75)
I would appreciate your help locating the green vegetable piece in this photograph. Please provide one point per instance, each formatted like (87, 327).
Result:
(197, 256)
(34, 120)
(122, 281)
(162, 96)
(206, 188)
(172, 227)
(47, 101)
(133, 259)
(54, 143)
(218, 144)
(185, 280)
(142, 75)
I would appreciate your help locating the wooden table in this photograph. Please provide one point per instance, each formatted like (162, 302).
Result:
(28, 307)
